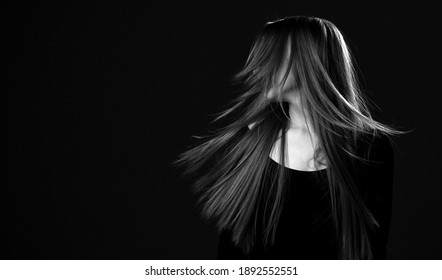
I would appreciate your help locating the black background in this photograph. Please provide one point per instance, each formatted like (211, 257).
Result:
(97, 99)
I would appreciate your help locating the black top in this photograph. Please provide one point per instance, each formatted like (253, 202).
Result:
(305, 230)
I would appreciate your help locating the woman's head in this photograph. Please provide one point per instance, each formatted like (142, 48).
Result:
(305, 61)
(289, 47)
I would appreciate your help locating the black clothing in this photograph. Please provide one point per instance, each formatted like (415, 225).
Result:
(305, 230)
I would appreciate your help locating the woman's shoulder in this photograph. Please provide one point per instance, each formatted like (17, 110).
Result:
(381, 147)
(377, 151)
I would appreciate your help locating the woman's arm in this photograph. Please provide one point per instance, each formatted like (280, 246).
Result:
(378, 180)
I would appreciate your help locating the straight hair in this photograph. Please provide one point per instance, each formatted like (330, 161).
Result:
(236, 161)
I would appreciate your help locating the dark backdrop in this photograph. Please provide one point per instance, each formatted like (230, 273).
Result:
(97, 99)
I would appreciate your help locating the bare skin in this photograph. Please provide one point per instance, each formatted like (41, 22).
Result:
(300, 150)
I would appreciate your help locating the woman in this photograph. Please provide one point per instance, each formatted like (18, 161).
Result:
(301, 170)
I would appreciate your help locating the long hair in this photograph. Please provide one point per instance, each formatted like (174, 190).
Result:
(235, 160)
